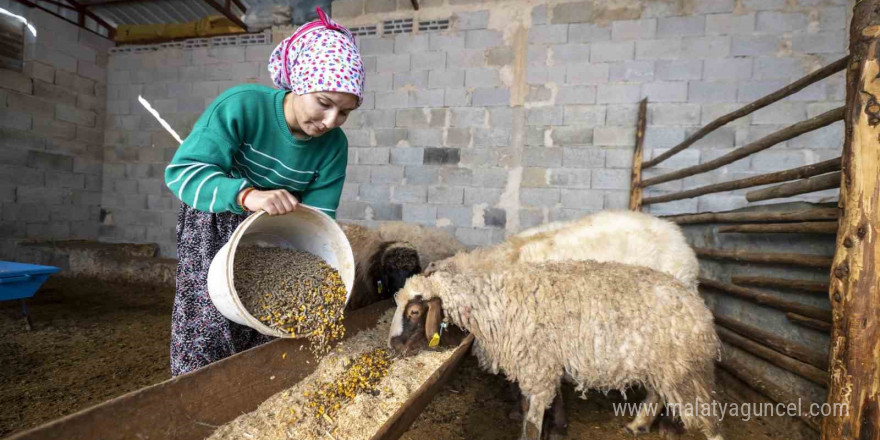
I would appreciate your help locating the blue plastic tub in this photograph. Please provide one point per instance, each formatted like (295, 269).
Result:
(21, 281)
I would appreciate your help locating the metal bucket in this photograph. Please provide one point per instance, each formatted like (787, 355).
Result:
(305, 229)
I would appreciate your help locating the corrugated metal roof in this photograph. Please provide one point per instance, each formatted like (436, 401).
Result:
(156, 11)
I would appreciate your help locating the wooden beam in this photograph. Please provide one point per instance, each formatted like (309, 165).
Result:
(415, 4)
(764, 179)
(227, 13)
(110, 28)
(816, 214)
(804, 186)
(804, 370)
(635, 190)
(855, 276)
(762, 144)
(829, 228)
(783, 258)
(758, 297)
(760, 383)
(780, 344)
(820, 287)
(788, 90)
(30, 4)
(805, 321)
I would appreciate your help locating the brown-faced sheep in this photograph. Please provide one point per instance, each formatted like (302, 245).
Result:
(599, 325)
(381, 267)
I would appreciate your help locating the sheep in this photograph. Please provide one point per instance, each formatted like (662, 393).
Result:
(385, 257)
(622, 236)
(599, 325)
(381, 267)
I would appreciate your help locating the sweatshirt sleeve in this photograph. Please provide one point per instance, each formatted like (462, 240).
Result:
(199, 173)
(325, 192)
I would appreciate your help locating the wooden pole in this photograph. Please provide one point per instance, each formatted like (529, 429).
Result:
(786, 347)
(758, 382)
(781, 283)
(764, 179)
(762, 144)
(788, 90)
(855, 275)
(754, 216)
(776, 228)
(766, 300)
(635, 191)
(808, 322)
(790, 259)
(813, 184)
(806, 371)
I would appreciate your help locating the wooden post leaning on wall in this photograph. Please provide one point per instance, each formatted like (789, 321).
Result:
(854, 379)
(635, 191)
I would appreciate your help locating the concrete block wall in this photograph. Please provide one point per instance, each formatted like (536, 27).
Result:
(178, 83)
(524, 113)
(51, 135)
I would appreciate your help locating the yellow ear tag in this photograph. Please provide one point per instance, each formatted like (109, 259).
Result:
(435, 340)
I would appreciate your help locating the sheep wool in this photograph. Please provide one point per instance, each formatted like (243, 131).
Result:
(600, 325)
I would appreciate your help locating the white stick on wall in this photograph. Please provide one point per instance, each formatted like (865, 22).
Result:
(159, 118)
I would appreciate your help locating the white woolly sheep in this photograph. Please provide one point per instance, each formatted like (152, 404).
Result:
(622, 236)
(599, 325)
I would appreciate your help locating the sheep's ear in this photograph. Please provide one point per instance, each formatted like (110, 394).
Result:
(435, 317)
(432, 267)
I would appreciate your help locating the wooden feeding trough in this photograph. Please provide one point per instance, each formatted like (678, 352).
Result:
(192, 406)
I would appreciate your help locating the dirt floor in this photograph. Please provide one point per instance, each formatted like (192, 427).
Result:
(474, 405)
(91, 341)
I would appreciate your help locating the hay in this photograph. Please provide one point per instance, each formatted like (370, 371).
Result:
(286, 415)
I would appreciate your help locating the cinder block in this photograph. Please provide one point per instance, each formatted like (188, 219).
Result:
(370, 192)
(438, 79)
(588, 33)
(752, 90)
(778, 68)
(621, 114)
(491, 97)
(49, 161)
(727, 69)
(428, 60)
(576, 95)
(618, 93)
(56, 59)
(644, 29)
(606, 51)
(418, 213)
(392, 100)
(502, 56)
(781, 113)
(587, 74)
(16, 81)
(711, 92)
(545, 115)
(569, 136)
(677, 70)
(569, 178)
(529, 218)
(610, 179)
(539, 197)
(534, 177)
(389, 136)
(488, 178)
(455, 215)
(373, 156)
(548, 34)
(755, 45)
(386, 174)
(483, 39)
(730, 24)
(582, 199)
(473, 237)
(666, 91)
(89, 135)
(467, 21)
(634, 71)
(820, 43)
(778, 22)
(410, 43)
(482, 195)
(482, 77)
(446, 42)
(832, 18)
(663, 137)
(681, 26)
(30, 104)
(15, 120)
(587, 157)
(565, 54)
(830, 137)
(447, 195)
(542, 157)
(418, 80)
(490, 137)
(667, 48)
(92, 71)
(583, 117)
(385, 211)
(674, 114)
(619, 158)
(376, 46)
(706, 47)
(409, 194)
(393, 63)
(468, 117)
(614, 136)
(425, 137)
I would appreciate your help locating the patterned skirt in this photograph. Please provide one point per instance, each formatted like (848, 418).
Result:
(201, 335)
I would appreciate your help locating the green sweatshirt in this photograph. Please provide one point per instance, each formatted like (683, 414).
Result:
(242, 140)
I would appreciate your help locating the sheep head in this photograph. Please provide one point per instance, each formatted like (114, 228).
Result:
(417, 318)
(399, 261)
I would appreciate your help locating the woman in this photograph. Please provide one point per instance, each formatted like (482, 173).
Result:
(257, 148)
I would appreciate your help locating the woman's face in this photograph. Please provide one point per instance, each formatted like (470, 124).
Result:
(319, 112)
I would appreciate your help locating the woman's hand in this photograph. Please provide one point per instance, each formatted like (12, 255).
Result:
(274, 202)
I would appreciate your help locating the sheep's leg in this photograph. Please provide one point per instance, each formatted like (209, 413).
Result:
(534, 419)
(556, 423)
(648, 411)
